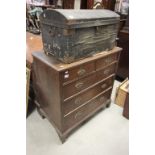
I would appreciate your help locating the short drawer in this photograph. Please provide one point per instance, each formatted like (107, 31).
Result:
(84, 111)
(101, 74)
(70, 104)
(75, 87)
(101, 63)
(78, 72)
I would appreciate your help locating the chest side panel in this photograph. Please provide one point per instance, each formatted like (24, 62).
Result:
(47, 90)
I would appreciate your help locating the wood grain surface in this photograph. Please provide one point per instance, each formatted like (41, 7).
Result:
(33, 43)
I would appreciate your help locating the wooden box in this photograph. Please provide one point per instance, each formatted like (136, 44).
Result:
(70, 35)
(121, 93)
(126, 107)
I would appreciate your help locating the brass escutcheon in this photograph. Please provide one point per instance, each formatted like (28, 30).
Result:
(104, 85)
(78, 101)
(79, 85)
(81, 72)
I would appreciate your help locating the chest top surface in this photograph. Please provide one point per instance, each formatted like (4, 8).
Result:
(59, 66)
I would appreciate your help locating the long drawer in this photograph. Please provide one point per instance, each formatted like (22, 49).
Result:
(77, 86)
(82, 112)
(77, 100)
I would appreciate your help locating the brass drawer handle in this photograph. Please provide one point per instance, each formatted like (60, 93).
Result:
(81, 72)
(78, 114)
(106, 71)
(78, 101)
(104, 85)
(102, 99)
(79, 85)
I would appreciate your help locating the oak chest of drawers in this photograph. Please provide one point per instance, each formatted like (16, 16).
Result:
(68, 94)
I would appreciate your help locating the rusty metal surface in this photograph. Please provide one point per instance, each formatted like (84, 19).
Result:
(70, 35)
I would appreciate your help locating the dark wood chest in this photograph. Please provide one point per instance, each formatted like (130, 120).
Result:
(70, 35)
(69, 94)
(123, 67)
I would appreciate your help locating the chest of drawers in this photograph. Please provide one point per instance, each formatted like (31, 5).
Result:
(68, 94)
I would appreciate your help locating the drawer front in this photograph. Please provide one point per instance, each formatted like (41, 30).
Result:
(80, 99)
(82, 112)
(78, 72)
(101, 63)
(75, 87)
(101, 74)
